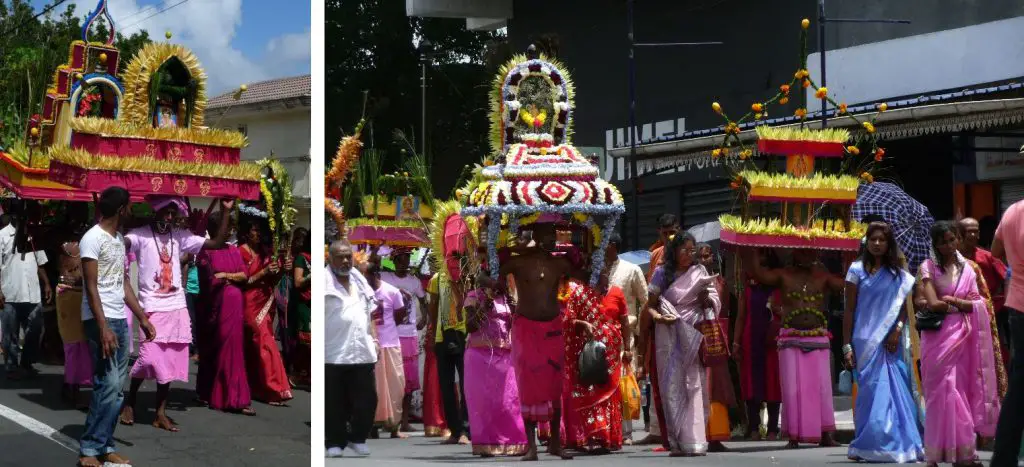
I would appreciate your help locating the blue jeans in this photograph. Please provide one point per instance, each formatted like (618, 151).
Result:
(108, 376)
(14, 317)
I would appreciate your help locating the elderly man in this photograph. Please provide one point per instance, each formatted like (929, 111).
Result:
(994, 272)
(350, 353)
(630, 278)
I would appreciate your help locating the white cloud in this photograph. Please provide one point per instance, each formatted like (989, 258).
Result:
(208, 27)
(290, 47)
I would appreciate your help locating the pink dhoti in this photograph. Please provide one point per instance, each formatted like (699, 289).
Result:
(390, 377)
(538, 354)
(411, 363)
(77, 359)
(166, 358)
(807, 410)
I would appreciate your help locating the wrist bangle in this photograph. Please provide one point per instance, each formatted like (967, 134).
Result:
(847, 348)
(899, 326)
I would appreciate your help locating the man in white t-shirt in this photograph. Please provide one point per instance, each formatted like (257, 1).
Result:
(107, 293)
(408, 332)
(158, 248)
(21, 273)
(350, 353)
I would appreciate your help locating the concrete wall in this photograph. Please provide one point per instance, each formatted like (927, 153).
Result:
(286, 134)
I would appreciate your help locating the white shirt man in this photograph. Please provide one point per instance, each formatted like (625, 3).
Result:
(20, 276)
(350, 354)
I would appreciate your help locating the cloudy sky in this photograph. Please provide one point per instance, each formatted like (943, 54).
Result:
(237, 41)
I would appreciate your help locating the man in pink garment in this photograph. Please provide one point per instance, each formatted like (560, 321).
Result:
(158, 248)
(1009, 244)
(994, 272)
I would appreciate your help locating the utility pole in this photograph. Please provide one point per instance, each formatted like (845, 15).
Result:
(822, 21)
(634, 177)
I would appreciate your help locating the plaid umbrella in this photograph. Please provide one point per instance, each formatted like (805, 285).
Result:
(910, 220)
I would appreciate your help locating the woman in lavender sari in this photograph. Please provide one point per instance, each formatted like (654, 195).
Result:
(958, 365)
(492, 394)
(222, 382)
(875, 336)
(681, 295)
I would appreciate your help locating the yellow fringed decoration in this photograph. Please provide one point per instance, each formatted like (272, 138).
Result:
(817, 181)
(126, 129)
(246, 171)
(829, 135)
(819, 229)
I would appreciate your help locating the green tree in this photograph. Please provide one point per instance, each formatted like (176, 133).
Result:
(371, 47)
(31, 49)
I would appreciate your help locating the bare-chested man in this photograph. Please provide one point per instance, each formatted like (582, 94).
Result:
(538, 347)
(804, 361)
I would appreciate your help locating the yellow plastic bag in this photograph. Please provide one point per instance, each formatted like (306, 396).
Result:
(630, 395)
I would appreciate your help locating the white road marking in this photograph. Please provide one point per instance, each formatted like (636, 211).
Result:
(39, 428)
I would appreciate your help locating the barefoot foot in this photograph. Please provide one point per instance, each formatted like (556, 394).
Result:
(793, 445)
(89, 461)
(127, 415)
(398, 435)
(115, 458)
(164, 422)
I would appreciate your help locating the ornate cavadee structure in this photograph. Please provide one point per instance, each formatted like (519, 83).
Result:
(806, 204)
(538, 175)
(144, 132)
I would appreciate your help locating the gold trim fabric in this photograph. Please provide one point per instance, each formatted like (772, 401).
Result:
(126, 129)
(245, 171)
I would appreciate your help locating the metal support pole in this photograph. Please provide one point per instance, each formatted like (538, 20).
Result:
(635, 201)
(423, 85)
(821, 52)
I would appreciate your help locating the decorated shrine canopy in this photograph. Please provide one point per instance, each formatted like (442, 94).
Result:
(143, 131)
(538, 171)
(402, 221)
(808, 205)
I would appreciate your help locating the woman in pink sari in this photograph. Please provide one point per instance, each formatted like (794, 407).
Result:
(492, 394)
(221, 383)
(958, 364)
(681, 295)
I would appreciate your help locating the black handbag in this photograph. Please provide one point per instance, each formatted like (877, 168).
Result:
(593, 367)
(927, 320)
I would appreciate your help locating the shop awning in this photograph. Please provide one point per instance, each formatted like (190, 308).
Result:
(899, 123)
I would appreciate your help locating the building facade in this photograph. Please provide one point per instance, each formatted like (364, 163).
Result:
(276, 117)
(955, 89)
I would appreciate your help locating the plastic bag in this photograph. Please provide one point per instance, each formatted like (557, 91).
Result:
(593, 367)
(845, 383)
(631, 398)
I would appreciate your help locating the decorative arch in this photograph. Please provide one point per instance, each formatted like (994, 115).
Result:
(110, 86)
(139, 85)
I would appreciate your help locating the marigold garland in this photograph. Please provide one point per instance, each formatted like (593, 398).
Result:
(269, 200)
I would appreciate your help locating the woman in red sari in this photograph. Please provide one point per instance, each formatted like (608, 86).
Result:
(268, 380)
(433, 414)
(594, 418)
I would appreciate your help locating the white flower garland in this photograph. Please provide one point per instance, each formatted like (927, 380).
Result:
(252, 211)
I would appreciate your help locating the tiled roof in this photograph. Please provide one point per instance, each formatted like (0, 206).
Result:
(265, 91)
(937, 98)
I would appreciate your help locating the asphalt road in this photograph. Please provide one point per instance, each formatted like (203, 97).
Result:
(418, 450)
(37, 428)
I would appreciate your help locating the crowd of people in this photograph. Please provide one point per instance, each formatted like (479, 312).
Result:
(211, 290)
(928, 352)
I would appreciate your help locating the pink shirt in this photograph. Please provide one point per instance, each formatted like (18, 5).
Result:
(159, 260)
(1011, 232)
(411, 285)
(389, 298)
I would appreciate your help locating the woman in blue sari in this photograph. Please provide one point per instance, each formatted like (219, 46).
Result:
(875, 336)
